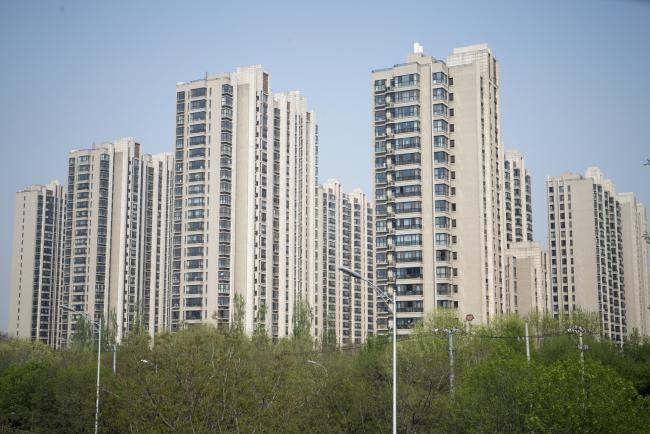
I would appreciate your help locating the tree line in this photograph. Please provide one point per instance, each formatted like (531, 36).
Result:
(213, 380)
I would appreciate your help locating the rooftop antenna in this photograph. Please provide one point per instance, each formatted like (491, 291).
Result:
(417, 48)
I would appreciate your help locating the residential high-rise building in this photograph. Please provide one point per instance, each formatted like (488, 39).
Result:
(116, 197)
(586, 249)
(527, 278)
(244, 210)
(36, 269)
(343, 308)
(439, 185)
(634, 219)
(156, 237)
(518, 199)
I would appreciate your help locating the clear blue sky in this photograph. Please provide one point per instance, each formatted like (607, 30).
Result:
(574, 78)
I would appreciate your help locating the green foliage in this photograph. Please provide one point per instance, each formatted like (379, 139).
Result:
(204, 379)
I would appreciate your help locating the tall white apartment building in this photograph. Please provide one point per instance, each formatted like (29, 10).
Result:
(586, 249)
(527, 278)
(116, 197)
(635, 263)
(343, 308)
(518, 199)
(36, 268)
(439, 185)
(244, 211)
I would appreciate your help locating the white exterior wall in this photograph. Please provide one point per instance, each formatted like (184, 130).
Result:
(252, 204)
(635, 263)
(37, 263)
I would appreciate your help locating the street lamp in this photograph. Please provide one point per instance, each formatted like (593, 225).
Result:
(385, 298)
(99, 353)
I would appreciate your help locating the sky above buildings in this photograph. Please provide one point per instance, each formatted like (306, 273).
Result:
(574, 79)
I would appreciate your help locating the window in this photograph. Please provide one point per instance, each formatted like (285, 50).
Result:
(441, 190)
(439, 110)
(380, 131)
(380, 146)
(407, 207)
(407, 143)
(407, 96)
(441, 206)
(380, 162)
(439, 78)
(380, 85)
(409, 289)
(197, 116)
(407, 80)
(200, 91)
(407, 174)
(198, 104)
(380, 116)
(408, 273)
(196, 164)
(408, 240)
(197, 128)
(440, 141)
(196, 152)
(443, 239)
(411, 158)
(442, 222)
(408, 223)
(407, 190)
(409, 256)
(410, 306)
(406, 127)
(380, 241)
(404, 112)
(195, 201)
(443, 255)
(439, 126)
(197, 140)
(441, 173)
(439, 94)
(440, 157)
(443, 272)
(380, 100)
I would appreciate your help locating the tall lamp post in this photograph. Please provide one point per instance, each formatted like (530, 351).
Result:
(97, 324)
(386, 299)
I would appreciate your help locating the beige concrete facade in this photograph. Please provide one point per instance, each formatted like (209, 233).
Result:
(244, 213)
(343, 307)
(586, 249)
(36, 270)
(527, 278)
(635, 263)
(116, 197)
(439, 187)
(518, 199)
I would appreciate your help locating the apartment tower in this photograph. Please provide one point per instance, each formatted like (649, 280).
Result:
(438, 179)
(527, 278)
(36, 269)
(343, 307)
(115, 248)
(244, 206)
(586, 249)
(518, 199)
(635, 263)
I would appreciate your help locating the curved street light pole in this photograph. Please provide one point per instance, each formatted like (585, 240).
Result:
(386, 299)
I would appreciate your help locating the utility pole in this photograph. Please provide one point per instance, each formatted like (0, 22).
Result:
(527, 343)
(114, 357)
(450, 349)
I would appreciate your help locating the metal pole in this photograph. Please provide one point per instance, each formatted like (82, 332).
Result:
(527, 343)
(450, 342)
(99, 353)
(114, 357)
(582, 352)
(394, 361)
